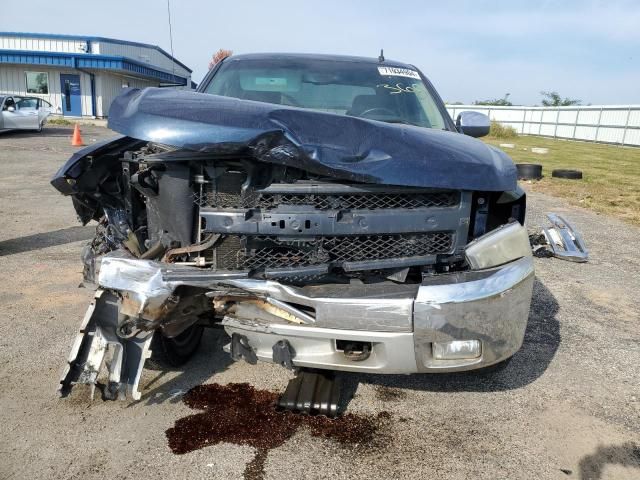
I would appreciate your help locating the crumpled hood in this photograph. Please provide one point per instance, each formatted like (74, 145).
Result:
(343, 147)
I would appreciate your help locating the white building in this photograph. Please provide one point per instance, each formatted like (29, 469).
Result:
(80, 75)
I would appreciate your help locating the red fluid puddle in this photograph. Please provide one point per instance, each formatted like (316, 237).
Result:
(238, 413)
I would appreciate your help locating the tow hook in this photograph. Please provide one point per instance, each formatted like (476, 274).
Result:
(240, 348)
(283, 354)
(354, 351)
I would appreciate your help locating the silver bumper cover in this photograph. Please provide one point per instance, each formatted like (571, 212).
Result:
(491, 306)
(401, 323)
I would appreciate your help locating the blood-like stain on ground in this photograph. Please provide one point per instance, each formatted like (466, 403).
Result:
(238, 413)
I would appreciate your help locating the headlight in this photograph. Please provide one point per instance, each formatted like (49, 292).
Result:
(502, 245)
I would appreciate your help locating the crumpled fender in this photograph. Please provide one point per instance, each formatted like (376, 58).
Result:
(73, 167)
(340, 146)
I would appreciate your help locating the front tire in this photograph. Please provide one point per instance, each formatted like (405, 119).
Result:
(167, 353)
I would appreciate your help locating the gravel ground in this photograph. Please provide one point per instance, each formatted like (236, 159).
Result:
(567, 406)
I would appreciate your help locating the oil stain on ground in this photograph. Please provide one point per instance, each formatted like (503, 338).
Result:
(388, 394)
(238, 413)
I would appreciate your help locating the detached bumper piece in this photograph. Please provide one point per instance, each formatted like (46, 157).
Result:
(97, 345)
(564, 241)
(312, 392)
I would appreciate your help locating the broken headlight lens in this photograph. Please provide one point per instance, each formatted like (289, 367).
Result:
(502, 245)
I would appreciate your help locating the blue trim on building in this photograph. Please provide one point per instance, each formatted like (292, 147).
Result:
(89, 61)
(89, 39)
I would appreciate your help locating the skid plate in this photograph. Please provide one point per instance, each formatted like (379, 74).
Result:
(312, 392)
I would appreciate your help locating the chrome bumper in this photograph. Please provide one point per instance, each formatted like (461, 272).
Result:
(491, 306)
(401, 323)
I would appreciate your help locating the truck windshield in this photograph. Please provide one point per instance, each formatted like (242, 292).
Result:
(367, 90)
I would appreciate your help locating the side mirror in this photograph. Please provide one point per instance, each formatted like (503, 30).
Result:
(474, 124)
(11, 109)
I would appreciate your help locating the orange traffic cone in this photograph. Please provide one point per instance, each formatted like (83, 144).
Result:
(76, 140)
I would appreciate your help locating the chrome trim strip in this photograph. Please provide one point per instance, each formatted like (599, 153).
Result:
(564, 240)
(503, 279)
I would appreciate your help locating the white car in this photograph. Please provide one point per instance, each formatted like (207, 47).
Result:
(23, 113)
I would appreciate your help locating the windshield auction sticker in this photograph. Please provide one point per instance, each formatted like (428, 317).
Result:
(399, 72)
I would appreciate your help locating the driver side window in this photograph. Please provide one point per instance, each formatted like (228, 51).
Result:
(27, 104)
(9, 103)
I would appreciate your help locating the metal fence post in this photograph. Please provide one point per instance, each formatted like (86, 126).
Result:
(540, 121)
(626, 125)
(595, 140)
(575, 125)
(555, 130)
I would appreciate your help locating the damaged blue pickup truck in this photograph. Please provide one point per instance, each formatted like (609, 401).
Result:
(325, 211)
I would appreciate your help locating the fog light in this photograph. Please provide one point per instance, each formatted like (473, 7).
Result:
(456, 350)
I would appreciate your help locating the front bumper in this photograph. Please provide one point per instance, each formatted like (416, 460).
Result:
(400, 323)
(491, 306)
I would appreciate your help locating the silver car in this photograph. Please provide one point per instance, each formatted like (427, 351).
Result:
(23, 113)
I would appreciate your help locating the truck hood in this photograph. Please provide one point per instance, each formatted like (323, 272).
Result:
(339, 146)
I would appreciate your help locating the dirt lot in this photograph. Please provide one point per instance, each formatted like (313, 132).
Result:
(566, 407)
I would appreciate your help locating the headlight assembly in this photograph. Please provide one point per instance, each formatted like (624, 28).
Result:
(502, 245)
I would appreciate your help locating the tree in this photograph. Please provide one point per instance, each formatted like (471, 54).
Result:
(553, 99)
(219, 56)
(502, 102)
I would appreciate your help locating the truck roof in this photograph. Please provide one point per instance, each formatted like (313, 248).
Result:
(317, 56)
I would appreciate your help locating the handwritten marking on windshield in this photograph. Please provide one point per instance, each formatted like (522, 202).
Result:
(399, 88)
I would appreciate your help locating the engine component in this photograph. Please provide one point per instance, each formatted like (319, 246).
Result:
(97, 336)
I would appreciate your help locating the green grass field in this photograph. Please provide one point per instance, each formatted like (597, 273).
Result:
(611, 182)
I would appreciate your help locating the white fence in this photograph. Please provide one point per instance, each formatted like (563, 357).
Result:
(617, 124)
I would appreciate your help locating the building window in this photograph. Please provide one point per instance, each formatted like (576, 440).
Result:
(37, 82)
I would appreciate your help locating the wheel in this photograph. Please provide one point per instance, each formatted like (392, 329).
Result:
(173, 352)
(529, 171)
(564, 173)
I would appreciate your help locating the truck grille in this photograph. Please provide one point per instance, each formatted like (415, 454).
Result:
(228, 195)
(361, 201)
(297, 248)
(263, 251)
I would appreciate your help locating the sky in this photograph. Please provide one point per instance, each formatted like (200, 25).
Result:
(470, 49)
